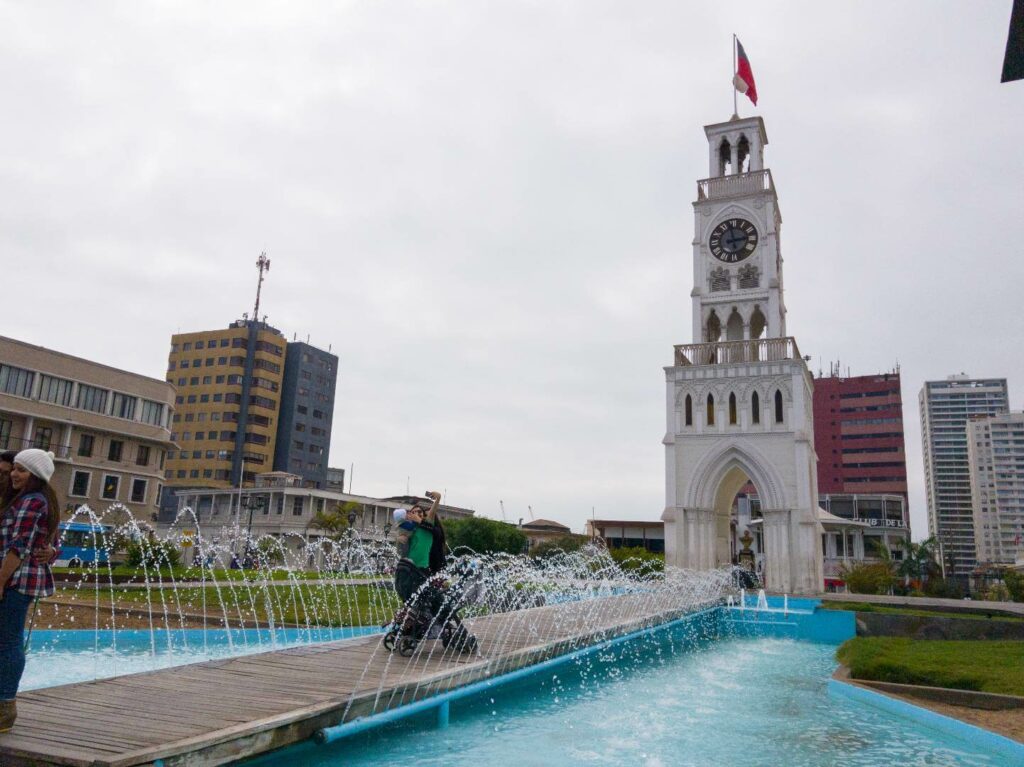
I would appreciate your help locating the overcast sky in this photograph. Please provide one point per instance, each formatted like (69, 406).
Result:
(485, 209)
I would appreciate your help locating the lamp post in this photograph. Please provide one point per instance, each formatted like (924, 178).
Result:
(351, 533)
(251, 503)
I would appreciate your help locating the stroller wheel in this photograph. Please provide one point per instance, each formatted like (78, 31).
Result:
(406, 646)
(389, 640)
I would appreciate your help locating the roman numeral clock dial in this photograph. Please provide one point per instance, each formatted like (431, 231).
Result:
(733, 240)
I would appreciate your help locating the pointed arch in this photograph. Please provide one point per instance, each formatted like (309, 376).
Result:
(732, 409)
(711, 409)
(755, 408)
(734, 327)
(758, 324)
(714, 328)
(743, 154)
(778, 406)
(727, 455)
(688, 411)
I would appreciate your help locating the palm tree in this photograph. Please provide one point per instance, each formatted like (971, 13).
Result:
(918, 560)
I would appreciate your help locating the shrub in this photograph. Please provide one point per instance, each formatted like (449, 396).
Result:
(869, 578)
(566, 543)
(1014, 585)
(638, 558)
(152, 554)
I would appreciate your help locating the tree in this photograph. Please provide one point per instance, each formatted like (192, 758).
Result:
(484, 536)
(918, 561)
(334, 522)
(869, 578)
(1014, 582)
(566, 543)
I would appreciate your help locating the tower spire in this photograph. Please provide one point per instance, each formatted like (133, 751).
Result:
(263, 264)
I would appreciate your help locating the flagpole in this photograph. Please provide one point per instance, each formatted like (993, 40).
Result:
(732, 77)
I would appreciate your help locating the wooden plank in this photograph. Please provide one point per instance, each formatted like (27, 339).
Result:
(221, 710)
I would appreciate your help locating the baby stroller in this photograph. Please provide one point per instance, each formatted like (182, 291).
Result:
(431, 614)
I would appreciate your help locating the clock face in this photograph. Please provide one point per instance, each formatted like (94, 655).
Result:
(733, 240)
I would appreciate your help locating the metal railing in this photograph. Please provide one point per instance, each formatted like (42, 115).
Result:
(732, 186)
(729, 352)
(18, 444)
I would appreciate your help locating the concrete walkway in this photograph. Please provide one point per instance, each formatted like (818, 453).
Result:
(931, 603)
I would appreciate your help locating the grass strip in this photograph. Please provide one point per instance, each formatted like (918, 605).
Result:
(983, 666)
(866, 607)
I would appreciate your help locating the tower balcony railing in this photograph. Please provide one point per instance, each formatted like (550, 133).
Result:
(735, 185)
(731, 352)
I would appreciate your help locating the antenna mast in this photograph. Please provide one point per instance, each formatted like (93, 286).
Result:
(263, 264)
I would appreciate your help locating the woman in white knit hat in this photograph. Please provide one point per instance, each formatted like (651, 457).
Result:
(30, 521)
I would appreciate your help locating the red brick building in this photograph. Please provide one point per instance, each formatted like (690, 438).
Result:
(858, 435)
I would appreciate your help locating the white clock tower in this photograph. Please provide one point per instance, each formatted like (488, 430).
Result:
(739, 397)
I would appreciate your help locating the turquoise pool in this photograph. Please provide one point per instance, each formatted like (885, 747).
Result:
(63, 656)
(664, 700)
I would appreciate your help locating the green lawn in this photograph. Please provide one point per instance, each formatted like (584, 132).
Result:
(964, 665)
(866, 607)
(197, 574)
(318, 605)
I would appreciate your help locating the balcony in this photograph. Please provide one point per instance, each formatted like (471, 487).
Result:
(60, 452)
(733, 186)
(732, 352)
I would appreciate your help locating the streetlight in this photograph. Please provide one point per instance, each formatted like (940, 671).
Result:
(250, 502)
(351, 533)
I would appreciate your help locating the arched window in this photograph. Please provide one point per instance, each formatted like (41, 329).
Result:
(743, 155)
(711, 410)
(689, 410)
(724, 158)
(732, 409)
(778, 406)
(755, 408)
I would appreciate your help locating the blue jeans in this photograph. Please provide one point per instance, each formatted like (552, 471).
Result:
(13, 609)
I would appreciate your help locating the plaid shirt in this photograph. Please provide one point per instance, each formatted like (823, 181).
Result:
(22, 529)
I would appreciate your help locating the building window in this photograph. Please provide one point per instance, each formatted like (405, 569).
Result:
(297, 506)
(755, 408)
(114, 450)
(187, 346)
(207, 380)
(91, 398)
(80, 484)
(16, 381)
(152, 413)
(688, 410)
(139, 490)
(111, 483)
(124, 406)
(300, 427)
(711, 410)
(5, 433)
(55, 390)
(194, 381)
(279, 506)
(778, 406)
(732, 409)
(298, 445)
(318, 413)
(181, 474)
(194, 474)
(43, 437)
(302, 409)
(142, 456)
(199, 345)
(85, 445)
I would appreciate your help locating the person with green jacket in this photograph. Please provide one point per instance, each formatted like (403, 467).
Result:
(415, 539)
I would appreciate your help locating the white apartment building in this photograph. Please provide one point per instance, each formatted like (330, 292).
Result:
(995, 447)
(946, 408)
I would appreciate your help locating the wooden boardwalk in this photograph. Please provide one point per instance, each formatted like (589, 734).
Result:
(219, 711)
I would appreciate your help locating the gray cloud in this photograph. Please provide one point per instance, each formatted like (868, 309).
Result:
(485, 209)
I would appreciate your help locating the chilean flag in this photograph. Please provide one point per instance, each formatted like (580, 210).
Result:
(744, 77)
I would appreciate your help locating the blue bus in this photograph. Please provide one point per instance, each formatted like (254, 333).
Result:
(82, 543)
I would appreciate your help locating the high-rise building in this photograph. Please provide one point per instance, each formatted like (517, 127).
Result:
(307, 410)
(858, 434)
(227, 403)
(946, 408)
(249, 402)
(108, 428)
(995, 449)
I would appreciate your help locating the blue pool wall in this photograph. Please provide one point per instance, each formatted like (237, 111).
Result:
(792, 618)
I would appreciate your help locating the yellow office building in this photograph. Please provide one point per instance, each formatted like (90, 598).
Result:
(227, 405)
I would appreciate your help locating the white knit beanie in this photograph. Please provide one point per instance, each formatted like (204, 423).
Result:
(39, 462)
